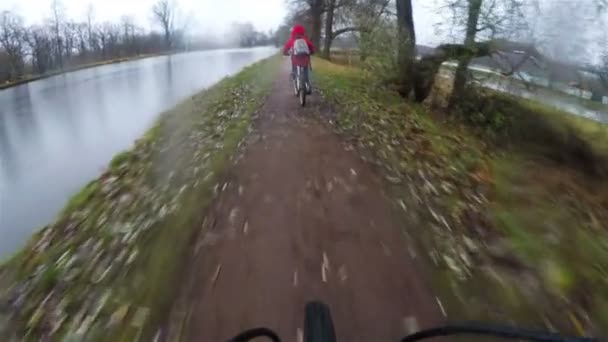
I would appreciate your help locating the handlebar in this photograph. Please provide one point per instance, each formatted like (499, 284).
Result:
(255, 333)
(496, 331)
(471, 328)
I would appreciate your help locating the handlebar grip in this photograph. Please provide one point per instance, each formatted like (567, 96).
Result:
(255, 333)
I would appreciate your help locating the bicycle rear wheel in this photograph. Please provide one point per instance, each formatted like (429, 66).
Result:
(318, 324)
(302, 86)
(303, 97)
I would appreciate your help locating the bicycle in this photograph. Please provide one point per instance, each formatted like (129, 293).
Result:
(300, 58)
(319, 327)
(301, 83)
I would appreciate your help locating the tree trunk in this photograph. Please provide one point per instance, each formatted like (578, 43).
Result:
(461, 76)
(329, 27)
(316, 11)
(460, 81)
(407, 46)
(59, 52)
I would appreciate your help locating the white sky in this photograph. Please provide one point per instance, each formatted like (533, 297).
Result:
(213, 17)
(425, 19)
(207, 15)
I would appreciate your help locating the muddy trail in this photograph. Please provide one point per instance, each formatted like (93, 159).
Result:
(300, 218)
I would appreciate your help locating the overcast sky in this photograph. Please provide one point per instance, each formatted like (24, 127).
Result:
(207, 14)
(215, 16)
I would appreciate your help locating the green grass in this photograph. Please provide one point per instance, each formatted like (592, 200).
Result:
(594, 132)
(120, 159)
(549, 218)
(552, 219)
(346, 57)
(535, 128)
(82, 196)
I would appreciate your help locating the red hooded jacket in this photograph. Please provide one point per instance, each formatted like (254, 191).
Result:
(297, 32)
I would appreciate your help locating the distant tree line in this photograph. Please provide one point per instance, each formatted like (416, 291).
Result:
(247, 36)
(62, 43)
(604, 63)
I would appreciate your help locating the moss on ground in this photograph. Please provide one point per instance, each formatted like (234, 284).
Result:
(511, 234)
(553, 220)
(106, 269)
(82, 196)
(593, 132)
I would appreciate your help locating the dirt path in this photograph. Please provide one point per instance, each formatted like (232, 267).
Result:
(300, 219)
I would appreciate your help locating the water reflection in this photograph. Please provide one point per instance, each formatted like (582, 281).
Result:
(59, 133)
(169, 75)
(7, 155)
(564, 102)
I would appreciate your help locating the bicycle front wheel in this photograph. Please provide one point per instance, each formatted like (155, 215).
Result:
(318, 324)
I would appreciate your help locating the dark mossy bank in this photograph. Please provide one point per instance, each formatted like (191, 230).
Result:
(32, 78)
(106, 268)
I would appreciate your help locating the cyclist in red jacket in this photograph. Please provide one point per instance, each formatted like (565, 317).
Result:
(298, 32)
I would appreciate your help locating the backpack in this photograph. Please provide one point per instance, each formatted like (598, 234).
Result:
(300, 47)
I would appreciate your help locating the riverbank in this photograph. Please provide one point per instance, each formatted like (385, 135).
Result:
(33, 78)
(512, 230)
(106, 268)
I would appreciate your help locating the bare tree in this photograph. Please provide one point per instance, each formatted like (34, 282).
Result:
(57, 18)
(69, 39)
(603, 63)
(329, 24)
(460, 78)
(12, 40)
(81, 36)
(472, 19)
(344, 16)
(317, 8)
(371, 17)
(329, 19)
(41, 47)
(62, 42)
(406, 51)
(164, 13)
(111, 33)
(128, 27)
(310, 12)
(140, 40)
(91, 37)
(488, 20)
(101, 34)
(394, 40)
(337, 13)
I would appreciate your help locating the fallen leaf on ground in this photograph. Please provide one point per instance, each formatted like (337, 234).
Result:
(216, 274)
